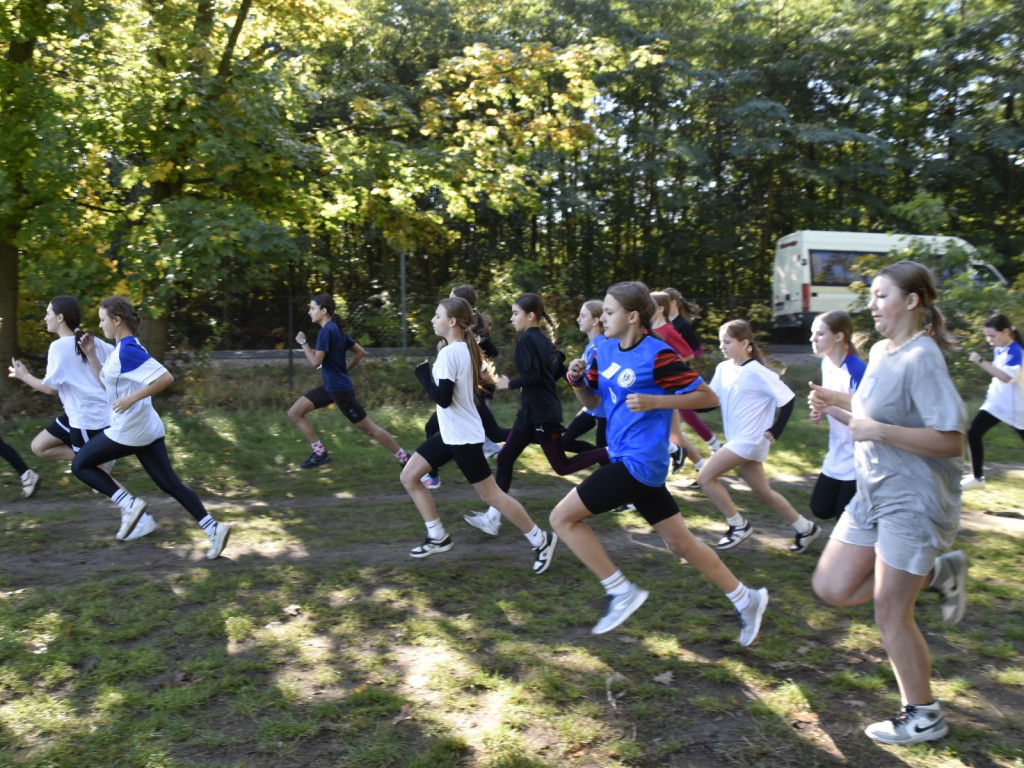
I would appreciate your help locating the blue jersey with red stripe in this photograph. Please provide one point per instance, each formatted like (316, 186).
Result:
(639, 439)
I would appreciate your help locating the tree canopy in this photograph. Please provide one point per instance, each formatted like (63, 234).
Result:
(211, 158)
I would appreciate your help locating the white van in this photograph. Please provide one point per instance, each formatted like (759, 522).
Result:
(814, 270)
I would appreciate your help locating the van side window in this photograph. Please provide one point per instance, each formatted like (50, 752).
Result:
(835, 267)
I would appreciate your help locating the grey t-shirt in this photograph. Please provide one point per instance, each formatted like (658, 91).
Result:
(911, 388)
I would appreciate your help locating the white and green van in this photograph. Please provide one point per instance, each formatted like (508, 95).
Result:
(814, 270)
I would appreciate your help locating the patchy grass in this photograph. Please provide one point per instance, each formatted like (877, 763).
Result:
(317, 641)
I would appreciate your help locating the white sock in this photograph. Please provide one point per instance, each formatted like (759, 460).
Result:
(673, 449)
(493, 513)
(435, 530)
(209, 525)
(736, 521)
(714, 443)
(699, 464)
(803, 525)
(616, 584)
(740, 597)
(122, 498)
(535, 537)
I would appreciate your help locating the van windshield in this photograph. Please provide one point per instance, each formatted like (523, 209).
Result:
(837, 267)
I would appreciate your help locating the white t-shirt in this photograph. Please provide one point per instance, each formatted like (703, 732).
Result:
(838, 462)
(1005, 399)
(460, 422)
(128, 369)
(80, 393)
(749, 395)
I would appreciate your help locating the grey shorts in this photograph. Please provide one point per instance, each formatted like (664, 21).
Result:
(904, 539)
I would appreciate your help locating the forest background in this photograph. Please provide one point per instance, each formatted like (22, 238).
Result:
(221, 161)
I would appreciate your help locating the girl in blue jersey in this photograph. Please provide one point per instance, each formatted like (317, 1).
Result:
(131, 377)
(539, 419)
(330, 356)
(841, 371)
(454, 383)
(589, 322)
(1005, 399)
(639, 379)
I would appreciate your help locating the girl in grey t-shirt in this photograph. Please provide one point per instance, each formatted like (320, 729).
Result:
(908, 424)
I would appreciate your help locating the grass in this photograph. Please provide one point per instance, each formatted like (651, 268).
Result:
(318, 642)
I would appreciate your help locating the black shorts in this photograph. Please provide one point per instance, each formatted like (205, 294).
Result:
(469, 458)
(345, 400)
(72, 437)
(611, 486)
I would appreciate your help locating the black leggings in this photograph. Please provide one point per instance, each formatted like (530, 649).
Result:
(582, 423)
(516, 442)
(152, 457)
(13, 458)
(982, 423)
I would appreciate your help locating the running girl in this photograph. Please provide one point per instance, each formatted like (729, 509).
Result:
(676, 305)
(589, 322)
(749, 392)
(29, 479)
(332, 345)
(907, 421)
(540, 413)
(640, 379)
(841, 371)
(69, 376)
(454, 384)
(131, 377)
(1004, 401)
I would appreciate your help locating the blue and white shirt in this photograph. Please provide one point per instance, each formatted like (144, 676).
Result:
(128, 369)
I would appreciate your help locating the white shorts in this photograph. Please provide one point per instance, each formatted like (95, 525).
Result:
(750, 449)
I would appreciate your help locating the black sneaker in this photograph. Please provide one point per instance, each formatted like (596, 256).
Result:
(429, 547)
(316, 460)
(802, 541)
(677, 460)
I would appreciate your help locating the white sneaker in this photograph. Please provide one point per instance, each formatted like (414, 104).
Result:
(130, 517)
(750, 617)
(970, 481)
(542, 555)
(144, 527)
(911, 725)
(953, 588)
(29, 483)
(484, 521)
(218, 540)
(618, 608)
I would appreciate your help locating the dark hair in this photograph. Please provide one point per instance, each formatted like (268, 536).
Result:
(481, 322)
(531, 302)
(839, 322)
(71, 310)
(911, 277)
(1001, 322)
(467, 292)
(326, 301)
(740, 330)
(119, 306)
(692, 309)
(460, 310)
